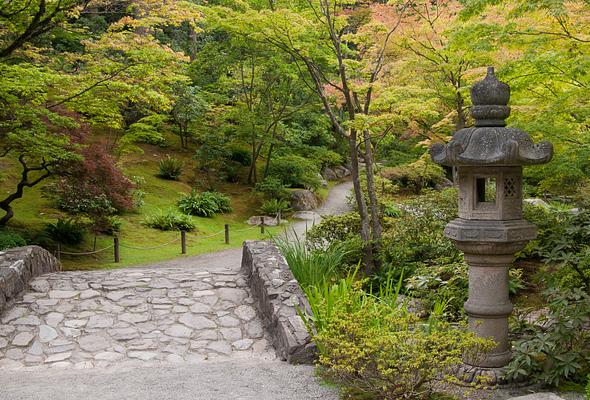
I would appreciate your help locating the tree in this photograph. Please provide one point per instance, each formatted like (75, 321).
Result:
(188, 107)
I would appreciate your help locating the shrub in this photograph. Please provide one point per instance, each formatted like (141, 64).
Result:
(295, 171)
(557, 346)
(272, 188)
(170, 221)
(171, 168)
(417, 175)
(66, 231)
(377, 350)
(9, 239)
(588, 388)
(240, 155)
(205, 204)
(334, 228)
(274, 206)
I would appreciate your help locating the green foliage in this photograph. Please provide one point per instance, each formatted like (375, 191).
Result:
(239, 154)
(66, 231)
(9, 239)
(170, 221)
(274, 206)
(375, 349)
(311, 267)
(295, 171)
(171, 168)
(334, 228)
(588, 388)
(556, 347)
(147, 130)
(417, 175)
(272, 188)
(204, 204)
(391, 210)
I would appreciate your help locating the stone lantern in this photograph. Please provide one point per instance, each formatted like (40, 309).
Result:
(490, 228)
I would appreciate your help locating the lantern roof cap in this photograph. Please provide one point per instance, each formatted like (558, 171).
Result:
(490, 142)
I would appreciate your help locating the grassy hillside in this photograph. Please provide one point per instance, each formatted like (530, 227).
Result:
(33, 211)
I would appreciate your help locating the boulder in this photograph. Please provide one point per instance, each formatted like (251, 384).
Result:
(329, 174)
(323, 182)
(341, 172)
(268, 221)
(444, 184)
(304, 200)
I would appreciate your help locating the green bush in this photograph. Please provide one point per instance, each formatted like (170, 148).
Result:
(588, 388)
(66, 231)
(418, 175)
(334, 228)
(374, 349)
(170, 221)
(274, 206)
(239, 154)
(272, 188)
(205, 204)
(171, 168)
(9, 239)
(557, 347)
(295, 171)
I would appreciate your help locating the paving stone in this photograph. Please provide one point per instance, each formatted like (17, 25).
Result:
(46, 333)
(142, 355)
(58, 357)
(36, 349)
(89, 294)
(117, 295)
(63, 294)
(100, 321)
(54, 318)
(197, 322)
(245, 313)
(234, 295)
(178, 331)
(22, 339)
(220, 346)
(124, 333)
(200, 308)
(231, 334)
(134, 318)
(228, 321)
(93, 343)
(243, 344)
(13, 314)
(75, 323)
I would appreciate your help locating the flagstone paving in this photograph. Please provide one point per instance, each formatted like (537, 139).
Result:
(151, 316)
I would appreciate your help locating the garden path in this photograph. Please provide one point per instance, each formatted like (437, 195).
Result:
(184, 328)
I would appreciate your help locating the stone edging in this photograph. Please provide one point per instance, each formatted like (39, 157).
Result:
(278, 295)
(18, 266)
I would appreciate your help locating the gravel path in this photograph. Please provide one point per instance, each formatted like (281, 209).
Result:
(180, 329)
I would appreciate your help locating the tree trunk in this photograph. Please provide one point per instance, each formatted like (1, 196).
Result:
(373, 202)
(362, 206)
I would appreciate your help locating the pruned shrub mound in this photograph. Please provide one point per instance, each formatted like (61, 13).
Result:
(66, 231)
(170, 221)
(171, 168)
(239, 154)
(272, 188)
(295, 171)
(9, 239)
(205, 204)
(418, 175)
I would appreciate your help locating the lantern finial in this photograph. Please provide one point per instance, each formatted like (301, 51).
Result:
(490, 101)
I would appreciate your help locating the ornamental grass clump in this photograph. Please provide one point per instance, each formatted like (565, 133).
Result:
(205, 204)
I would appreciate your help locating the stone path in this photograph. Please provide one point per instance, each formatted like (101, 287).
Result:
(151, 316)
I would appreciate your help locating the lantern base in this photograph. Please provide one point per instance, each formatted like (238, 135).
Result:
(470, 374)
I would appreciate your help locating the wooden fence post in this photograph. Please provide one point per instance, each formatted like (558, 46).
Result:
(262, 225)
(183, 242)
(116, 245)
(226, 233)
(58, 252)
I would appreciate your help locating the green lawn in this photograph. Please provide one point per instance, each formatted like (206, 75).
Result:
(33, 211)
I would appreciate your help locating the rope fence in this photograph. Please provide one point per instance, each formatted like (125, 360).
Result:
(117, 245)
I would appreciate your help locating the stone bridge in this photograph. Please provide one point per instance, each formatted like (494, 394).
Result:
(194, 311)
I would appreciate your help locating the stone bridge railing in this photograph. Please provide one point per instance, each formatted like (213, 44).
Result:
(18, 266)
(279, 297)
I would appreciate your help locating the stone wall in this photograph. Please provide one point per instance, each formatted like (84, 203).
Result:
(278, 297)
(18, 266)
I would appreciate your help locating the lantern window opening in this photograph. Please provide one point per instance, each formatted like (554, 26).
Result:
(486, 190)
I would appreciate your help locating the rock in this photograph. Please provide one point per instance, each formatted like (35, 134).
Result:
(323, 182)
(243, 344)
(93, 343)
(538, 396)
(3, 343)
(108, 356)
(54, 318)
(133, 318)
(268, 221)
(304, 200)
(58, 357)
(329, 174)
(75, 323)
(36, 349)
(228, 321)
(31, 320)
(142, 355)
(46, 333)
(124, 333)
(89, 294)
(200, 308)
(246, 313)
(179, 331)
(63, 294)
(22, 339)
(233, 295)
(197, 322)
(231, 334)
(537, 203)
(13, 314)
(341, 172)
(220, 346)
(100, 321)
(444, 184)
